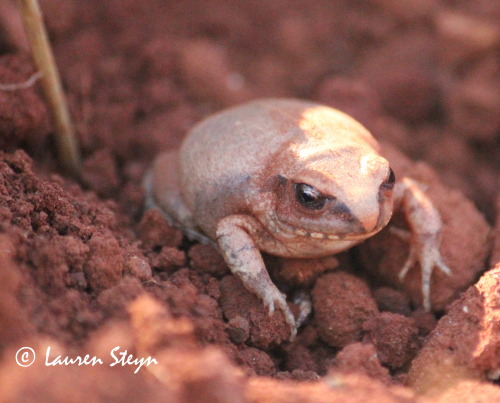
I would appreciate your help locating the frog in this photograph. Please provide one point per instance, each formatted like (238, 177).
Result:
(290, 178)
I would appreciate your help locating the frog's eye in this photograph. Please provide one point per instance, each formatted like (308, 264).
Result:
(388, 184)
(309, 197)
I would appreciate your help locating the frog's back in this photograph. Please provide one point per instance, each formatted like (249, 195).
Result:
(237, 140)
(225, 149)
(222, 152)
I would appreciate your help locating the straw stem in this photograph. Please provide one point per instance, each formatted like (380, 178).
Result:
(67, 144)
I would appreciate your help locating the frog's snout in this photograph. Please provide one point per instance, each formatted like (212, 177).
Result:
(370, 201)
(370, 222)
(377, 220)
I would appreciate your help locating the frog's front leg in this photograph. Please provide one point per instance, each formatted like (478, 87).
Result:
(424, 236)
(245, 261)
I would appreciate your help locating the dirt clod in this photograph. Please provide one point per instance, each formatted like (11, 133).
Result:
(342, 303)
(83, 269)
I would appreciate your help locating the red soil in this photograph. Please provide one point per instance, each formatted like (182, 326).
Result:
(83, 269)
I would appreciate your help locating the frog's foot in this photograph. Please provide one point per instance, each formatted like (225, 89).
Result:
(424, 249)
(274, 298)
(245, 261)
(303, 300)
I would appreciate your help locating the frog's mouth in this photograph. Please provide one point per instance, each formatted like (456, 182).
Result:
(305, 233)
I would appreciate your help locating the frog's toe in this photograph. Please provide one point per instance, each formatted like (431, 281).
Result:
(425, 251)
(443, 267)
(304, 302)
(410, 261)
(269, 304)
(271, 298)
(278, 300)
(428, 263)
(290, 319)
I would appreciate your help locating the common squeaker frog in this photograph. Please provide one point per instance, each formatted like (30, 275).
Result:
(291, 178)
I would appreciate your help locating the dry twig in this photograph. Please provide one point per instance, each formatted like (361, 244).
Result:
(67, 144)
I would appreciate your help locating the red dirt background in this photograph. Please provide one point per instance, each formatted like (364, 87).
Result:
(83, 269)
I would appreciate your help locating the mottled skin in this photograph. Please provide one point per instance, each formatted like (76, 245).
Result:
(290, 178)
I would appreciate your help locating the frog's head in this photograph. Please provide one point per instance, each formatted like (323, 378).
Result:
(331, 187)
(349, 196)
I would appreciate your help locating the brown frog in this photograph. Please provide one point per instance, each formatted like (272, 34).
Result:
(291, 178)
